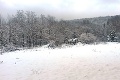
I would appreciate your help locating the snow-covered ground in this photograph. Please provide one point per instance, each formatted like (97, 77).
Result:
(81, 62)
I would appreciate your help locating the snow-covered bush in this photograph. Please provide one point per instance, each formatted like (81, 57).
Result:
(73, 41)
(9, 48)
(118, 37)
(51, 44)
(87, 38)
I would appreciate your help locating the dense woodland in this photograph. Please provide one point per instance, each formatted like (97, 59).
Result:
(25, 29)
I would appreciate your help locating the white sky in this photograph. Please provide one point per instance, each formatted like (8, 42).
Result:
(63, 9)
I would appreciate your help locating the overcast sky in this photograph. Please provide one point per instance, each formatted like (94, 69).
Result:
(63, 9)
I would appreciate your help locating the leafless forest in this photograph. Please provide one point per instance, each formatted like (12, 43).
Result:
(26, 29)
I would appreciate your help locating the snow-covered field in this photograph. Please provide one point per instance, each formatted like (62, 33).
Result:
(88, 62)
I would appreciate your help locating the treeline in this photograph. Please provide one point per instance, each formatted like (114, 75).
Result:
(26, 29)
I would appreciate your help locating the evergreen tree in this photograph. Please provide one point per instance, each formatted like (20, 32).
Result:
(112, 36)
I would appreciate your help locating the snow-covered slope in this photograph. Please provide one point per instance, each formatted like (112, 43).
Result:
(88, 62)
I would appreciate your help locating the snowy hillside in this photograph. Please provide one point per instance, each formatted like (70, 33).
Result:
(81, 62)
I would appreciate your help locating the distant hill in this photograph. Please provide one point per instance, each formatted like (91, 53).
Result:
(96, 20)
